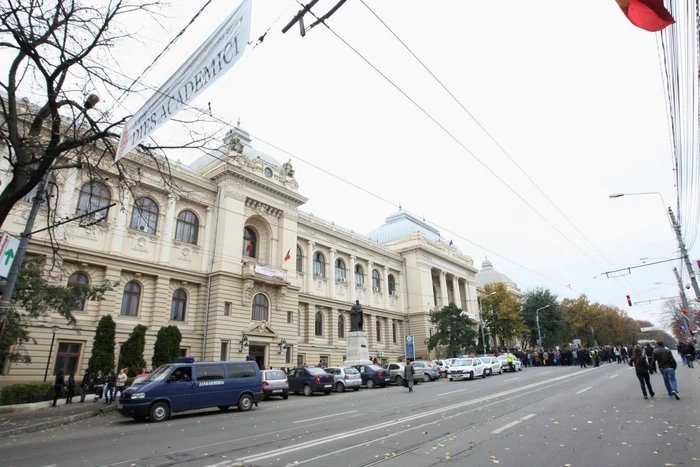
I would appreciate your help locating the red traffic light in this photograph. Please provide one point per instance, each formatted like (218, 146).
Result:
(629, 301)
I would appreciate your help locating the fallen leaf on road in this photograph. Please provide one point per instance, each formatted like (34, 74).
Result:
(574, 429)
(562, 445)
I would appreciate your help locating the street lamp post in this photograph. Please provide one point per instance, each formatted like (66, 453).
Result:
(537, 318)
(54, 330)
(481, 319)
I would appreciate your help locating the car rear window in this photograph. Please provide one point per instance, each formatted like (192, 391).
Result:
(351, 371)
(375, 367)
(276, 374)
(316, 371)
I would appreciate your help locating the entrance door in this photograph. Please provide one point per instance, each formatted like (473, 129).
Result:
(257, 354)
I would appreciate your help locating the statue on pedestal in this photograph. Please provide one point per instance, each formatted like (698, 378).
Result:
(356, 317)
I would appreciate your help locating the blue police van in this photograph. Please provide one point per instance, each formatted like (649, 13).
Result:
(178, 387)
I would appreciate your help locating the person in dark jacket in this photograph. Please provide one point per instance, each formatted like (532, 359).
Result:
(70, 391)
(58, 384)
(84, 384)
(111, 387)
(649, 352)
(408, 374)
(641, 368)
(667, 366)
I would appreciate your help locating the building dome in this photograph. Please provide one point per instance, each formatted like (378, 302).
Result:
(401, 225)
(488, 275)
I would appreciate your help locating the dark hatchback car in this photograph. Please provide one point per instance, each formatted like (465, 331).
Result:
(309, 380)
(373, 375)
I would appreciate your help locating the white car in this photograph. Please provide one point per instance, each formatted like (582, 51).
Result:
(506, 366)
(466, 368)
(493, 365)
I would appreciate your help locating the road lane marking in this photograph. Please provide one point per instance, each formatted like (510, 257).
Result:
(613, 376)
(509, 380)
(512, 424)
(325, 416)
(451, 392)
(545, 372)
(366, 429)
(584, 390)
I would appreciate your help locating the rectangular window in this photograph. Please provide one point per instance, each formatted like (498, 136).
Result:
(290, 317)
(183, 352)
(323, 360)
(224, 351)
(288, 355)
(209, 372)
(240, 370)
(227, 308)
(67, 357)
(300, 359)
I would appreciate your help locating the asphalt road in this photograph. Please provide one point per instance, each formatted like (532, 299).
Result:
(544, 416)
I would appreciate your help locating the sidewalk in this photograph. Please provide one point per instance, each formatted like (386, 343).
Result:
(29, 418)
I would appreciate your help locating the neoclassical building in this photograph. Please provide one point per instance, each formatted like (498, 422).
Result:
(231, 259)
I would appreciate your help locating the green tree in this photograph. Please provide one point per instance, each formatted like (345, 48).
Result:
(502, 313)
(35, 298)
(455, 330)
(132, 351)
(102, 357)
(551, 318)
(167, 346)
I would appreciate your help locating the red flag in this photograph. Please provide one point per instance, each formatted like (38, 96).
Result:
(288, 255)
(249, 246)
(685, 312)
(650, 15)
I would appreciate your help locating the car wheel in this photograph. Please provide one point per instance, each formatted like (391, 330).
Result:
(471, 375)
(520, 369)
(426, 378)
(285, 396)
(308, 391)
(500, 371)
(224, 407)
(245, 402)
(484, 374)
(340, 387)
(159, 412)
(355, 389)
(370, 384)
(399, 380)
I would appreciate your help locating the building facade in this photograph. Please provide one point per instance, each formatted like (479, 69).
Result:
(231, 260)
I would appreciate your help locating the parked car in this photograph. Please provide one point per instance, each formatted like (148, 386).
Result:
(373, 375)
(493, 365)
(466, 368)
(442, 367)
(506, 366)
(430, 370)
(345, 378)
(397, 373)
(187, 386)
(309, 380)
(275, 383)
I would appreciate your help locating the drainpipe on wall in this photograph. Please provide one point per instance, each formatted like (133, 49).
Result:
(408, 311)
(211, 270)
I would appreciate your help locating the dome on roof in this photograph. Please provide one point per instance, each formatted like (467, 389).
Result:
(401, 225)
(488, 275)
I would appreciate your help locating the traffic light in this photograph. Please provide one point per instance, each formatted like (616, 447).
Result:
(629, 301)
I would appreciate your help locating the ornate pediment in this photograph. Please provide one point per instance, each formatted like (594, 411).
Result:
(275, 291)
(261, 329)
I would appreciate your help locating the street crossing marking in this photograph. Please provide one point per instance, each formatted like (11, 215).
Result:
(451, 392)
(584, 390)
(509, 380)
(613, 376)
(512, 424)
(325, 416)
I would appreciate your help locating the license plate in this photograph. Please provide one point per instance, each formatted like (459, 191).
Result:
(327, 386)
(119, 406)
(277, 390)
(387, 379)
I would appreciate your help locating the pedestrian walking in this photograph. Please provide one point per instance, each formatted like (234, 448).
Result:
(99, 383)
(667, 366)
(70, 391)
(109, 391)
(58, 385)
(690, 354)
(408, 376)
(84, 386)
(641, 368)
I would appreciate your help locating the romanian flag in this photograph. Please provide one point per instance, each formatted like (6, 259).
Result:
(249, 246)
(650, 15)
(288, 256)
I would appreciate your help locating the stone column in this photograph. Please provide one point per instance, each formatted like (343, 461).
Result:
(443, 288)
(369, 284)
(401, 292)
(119, 231)
(162, 303)
(351, 286)
(457, 294)
(310, 268)
(168, 230)
(332, 325)
(331, 274)
(385, 289)
(67, 202)
(111, 304)
(206, 244)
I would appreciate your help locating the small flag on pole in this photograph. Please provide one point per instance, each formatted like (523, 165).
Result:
(650, 15)
(288, 255)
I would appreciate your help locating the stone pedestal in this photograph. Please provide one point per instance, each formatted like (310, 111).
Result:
(358, 351)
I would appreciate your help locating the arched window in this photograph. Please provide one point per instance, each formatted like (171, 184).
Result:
(131, 299)
(94, 196)
(178, 306)
(341, 327)
(80, 280)
(392, 285)
(187, 228)
(318, 325)
(249, 243)
(319, 264)
(300, 259)
(376, 282)
(145, 215)
(379, 331)
(395, 333)
(261, 308)
(339, 270)
(359, 276)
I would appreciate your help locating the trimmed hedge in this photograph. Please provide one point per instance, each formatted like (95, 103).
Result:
(25, 393)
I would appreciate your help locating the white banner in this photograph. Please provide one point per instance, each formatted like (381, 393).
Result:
(652, 328)
(211, 60)
(268, 271)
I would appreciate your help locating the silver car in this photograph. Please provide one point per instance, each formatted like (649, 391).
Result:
(345, 378)
(493, 365)
(275, 384)
(431, 372)
(397, 371)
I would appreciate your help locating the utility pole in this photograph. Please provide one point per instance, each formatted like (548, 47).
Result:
(299, 17)
(684, 255)
(684, 299)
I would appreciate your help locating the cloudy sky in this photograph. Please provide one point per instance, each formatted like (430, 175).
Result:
(573, 94)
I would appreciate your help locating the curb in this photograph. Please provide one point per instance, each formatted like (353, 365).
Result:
(56, 423)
